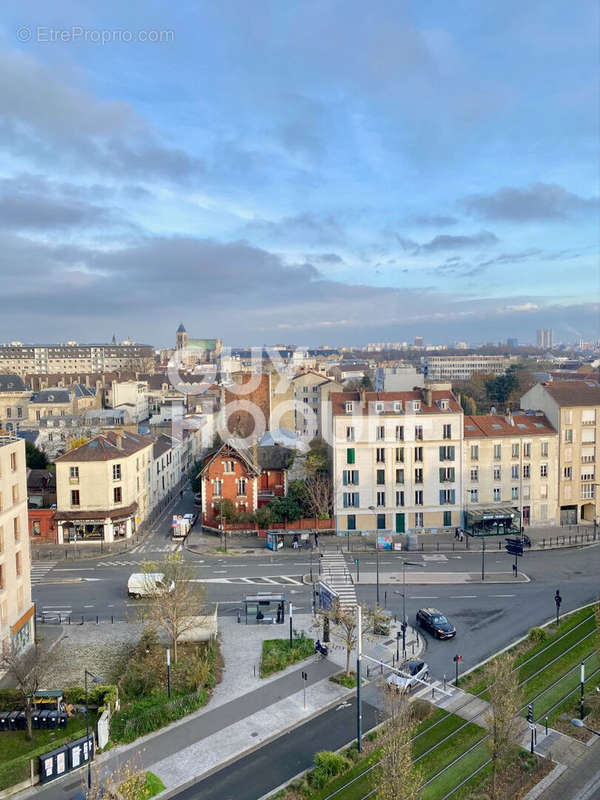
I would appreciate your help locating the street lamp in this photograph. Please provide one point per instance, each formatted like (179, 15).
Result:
(372, 508)
(404, 565)
(580, 724)
(95, 679)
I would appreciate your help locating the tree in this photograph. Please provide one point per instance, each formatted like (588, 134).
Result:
(195, 479)
(174, 610)
(226, 507)
(77, 442)
(502, 718)
(34, 457)
(319, 494)
(284, 509)
(366, 384)
(317, 458)
(344, 628)
(397, 777)
(28, 669)
(469, 405)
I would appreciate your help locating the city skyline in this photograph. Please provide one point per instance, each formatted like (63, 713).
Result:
(308, 170)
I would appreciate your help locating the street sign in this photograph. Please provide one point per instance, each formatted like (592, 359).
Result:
(514, 549)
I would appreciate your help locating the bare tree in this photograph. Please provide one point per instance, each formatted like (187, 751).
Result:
(319, 494)
(502, 718)
(344, 628)
(174, 603)
(397, 777)
(124, 780)
(28, 669)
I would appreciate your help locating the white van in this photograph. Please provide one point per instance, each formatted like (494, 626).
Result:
(146, 584)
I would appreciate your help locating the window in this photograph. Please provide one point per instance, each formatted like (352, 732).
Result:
(568, 417)
(17, 528)
(350, 477)
(544, 449)
(13, 462)
(381, 432)
(19, 412)
(544, 491)
(217, 487)
(74, 473)
(586, 475)
(350, 455)
(400, 455)
(418, 454)
(447, 452)
(497, 495)
(419, 519)
(400, 498)
(229, 466)
(351, 522)
(117, 494)
(379, 407)
(515, 450)
(419, 433)
(418, 475)
(380, 455)
(515, 472)
(350, 499)
(514, 493)
(447, 519)
(416, 405)
(2, 586)
(569, 435)
(587, 491)
(527, 470)
(474, 452)
(8, 413)
(380, 477)
(526, 449)
(380, 522)
(474, 495)
(444, 405)
(75, 497)
(447, 497)
(380, 498)
(447, 432)
(349, 433)
(568, 473)
(399, 476)
(543, 470)
(497, 451)
(399, 433)
(242, 486)
(116, 472)
(474, 474)
(448, 474)
(497, 473)
(19, 563)
(419, 497)
(349, 408)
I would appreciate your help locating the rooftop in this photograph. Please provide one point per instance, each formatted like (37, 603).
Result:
(574, 393)
(106, 448)
(365, 402)
(496, 426)
(11, 383)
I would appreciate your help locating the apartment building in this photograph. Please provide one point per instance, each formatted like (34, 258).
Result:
(14, 402)
(460, 368)
(133, 396)
(398, 378)
(166, 468)
(301, 403)
(397, 460)
(103, 487)
(573, 409)
(72, 357)
(16, 608)
(510, 469)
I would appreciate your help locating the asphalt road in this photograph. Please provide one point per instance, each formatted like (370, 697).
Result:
(271, 765)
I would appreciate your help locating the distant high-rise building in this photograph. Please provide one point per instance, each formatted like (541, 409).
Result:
(544, 338)
(419, 341)
(512, 342)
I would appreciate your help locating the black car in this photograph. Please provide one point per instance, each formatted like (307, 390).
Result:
(436, 623)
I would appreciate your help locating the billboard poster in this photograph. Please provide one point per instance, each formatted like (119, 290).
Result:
(385, 541)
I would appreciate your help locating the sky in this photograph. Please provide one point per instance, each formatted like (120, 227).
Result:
(315, 172)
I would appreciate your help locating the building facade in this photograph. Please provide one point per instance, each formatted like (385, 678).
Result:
(573, 409)
(16, 608)
(14, 402)
(510, 462)
(397, 460)
(72, 357)
(103, 487)
(460, 368)
(544, 338)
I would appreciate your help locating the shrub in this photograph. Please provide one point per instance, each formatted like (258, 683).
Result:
(537, 635)
(10, 700)
(330, 763)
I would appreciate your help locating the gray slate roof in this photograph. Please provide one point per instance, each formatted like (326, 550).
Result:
(55, 394)
(10, 382)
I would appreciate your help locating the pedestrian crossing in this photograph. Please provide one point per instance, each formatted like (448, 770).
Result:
(262, 580)
(41, 568)
(118, 563)
(170, 547)
(335, 573)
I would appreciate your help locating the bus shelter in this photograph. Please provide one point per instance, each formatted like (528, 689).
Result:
(493, 521)
(265, 608)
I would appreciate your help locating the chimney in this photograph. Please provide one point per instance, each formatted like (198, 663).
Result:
(119, 440)
(509, 417)
(428, 397)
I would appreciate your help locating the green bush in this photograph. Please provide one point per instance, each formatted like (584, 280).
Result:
(327, 766)
(10, 700)
(277, 653)
(537, 635)
(75, 695)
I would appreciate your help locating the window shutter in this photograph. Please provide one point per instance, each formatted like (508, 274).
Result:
(345, 499)
(452, 496)
(345, 477)
(452, 474)
(442, 494)
(442, 453)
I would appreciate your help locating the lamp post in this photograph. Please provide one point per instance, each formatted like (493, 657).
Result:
(582, 698)
(96, 679)
(358, 680)
(579, 724)
(372, 508)
(483, 558)
(169, 672)
(404, 565)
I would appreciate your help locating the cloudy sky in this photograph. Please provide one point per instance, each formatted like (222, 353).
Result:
(310, 172)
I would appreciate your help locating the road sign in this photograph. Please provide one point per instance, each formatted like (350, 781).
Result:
(514, 549)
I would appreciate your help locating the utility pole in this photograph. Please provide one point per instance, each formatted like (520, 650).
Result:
(291, 626)
(483, 558)
(377, 561)
(531, 724)
(358, 680)
(582, 701)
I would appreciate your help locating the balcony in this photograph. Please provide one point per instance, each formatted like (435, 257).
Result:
(74, 481)
(588, 421)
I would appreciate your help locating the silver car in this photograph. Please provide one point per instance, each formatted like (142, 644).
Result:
(417, 671)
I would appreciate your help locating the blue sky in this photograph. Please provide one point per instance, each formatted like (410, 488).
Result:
(315, 172)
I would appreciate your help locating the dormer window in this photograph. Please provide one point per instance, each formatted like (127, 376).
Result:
(349, 408)
(398, 406)
(379, 407)
(416, 405)
(444, 405)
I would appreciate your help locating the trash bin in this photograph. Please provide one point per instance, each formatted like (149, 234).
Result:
(21, 721)
(3, 720)
(52, 719)
(35, 719)
(12, 720)
(44, 719)
(62, 720)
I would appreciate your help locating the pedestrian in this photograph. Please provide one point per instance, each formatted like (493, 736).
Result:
(456, 533)
(295, 545)
(316, 539)
(460, 536)
(181, 494)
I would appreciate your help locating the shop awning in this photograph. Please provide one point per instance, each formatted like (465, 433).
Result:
(493, 514)
(94, 517)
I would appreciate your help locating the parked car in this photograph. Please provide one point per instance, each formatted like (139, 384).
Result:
(142, 584)
(192, 519)
(436, 623)
(198, 499)
(417, 671)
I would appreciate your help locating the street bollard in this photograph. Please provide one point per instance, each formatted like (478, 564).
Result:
(433, 692)
(82, 619)
(444, 684)
(546, 721)
(69, 619)
(96, 619)
(112, 619)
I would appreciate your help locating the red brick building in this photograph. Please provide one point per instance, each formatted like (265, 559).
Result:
(249, 479)
(42, 525)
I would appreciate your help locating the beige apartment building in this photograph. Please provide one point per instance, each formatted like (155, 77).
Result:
(397, 461)
(573, 408)
(14, 402)
(103, 487)
(301, 404)
(72, 357)
(510, 467)
(17, 624)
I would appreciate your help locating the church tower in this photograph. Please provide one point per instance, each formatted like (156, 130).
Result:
(181, 337)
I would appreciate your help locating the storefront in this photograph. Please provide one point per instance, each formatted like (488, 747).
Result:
(101, 526)
(493, 521)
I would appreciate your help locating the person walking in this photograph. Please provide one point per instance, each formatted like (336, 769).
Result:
(316, 540)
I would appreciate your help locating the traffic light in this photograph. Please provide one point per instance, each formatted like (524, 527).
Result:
(530, 713)
(514, 546)
(457, 658)
(403, 627)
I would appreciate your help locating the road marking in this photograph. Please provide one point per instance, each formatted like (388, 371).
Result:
(502, 595)
(435, 557)
(89, 606)
(74, 569)
(55, 607)
(220, 571)
(461, 596)
(424, 597)
(342, 706)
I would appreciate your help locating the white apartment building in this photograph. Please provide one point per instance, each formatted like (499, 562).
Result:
(460, 368)
(14, 402)
(400, 378)
(510, 469)
(72, 357)
(16, 609)
(133, 396)
(397, 460)
(166, 468)
(302, 404)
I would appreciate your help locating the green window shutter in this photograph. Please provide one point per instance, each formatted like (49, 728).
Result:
(442, 475)
(442, 453)
(452, 474)
(350, 455)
